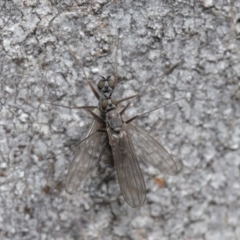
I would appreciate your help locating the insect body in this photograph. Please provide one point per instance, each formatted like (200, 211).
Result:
(128, 144)
(129, 174)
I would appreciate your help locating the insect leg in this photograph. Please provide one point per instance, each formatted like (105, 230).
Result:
(99, 130)
(127, 98)
(138, 116)
(80, 107)
(116, 65)
(124, 109)
(96, 117)
(167, 72)
(95, 92)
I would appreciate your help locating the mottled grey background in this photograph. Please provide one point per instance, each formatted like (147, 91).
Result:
(203, 130)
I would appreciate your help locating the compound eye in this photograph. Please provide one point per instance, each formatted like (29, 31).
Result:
(101, 84)
(104, 104)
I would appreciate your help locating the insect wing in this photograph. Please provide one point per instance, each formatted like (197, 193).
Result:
(85, 158)
(129, 174)
(149, 150)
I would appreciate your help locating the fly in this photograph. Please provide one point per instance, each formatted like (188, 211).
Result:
(128, 144)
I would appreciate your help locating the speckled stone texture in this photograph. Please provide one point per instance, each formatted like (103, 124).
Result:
(38, 140)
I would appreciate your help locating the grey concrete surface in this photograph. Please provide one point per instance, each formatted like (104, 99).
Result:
(202, 130)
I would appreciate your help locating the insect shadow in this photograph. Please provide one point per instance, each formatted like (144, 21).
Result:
(119, 141)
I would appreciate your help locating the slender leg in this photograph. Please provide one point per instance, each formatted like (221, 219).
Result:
(138, 116)
(96, 117)
(99, 130)
(124, 109)
(80, 107)
(95, 92)
(116, 65)
(127, 98)
(167, 72)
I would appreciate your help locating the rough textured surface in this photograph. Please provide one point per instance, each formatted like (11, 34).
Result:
(203, 131)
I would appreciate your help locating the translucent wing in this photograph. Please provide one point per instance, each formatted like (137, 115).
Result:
(149, 150)
(129, 174)
(85, 158)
